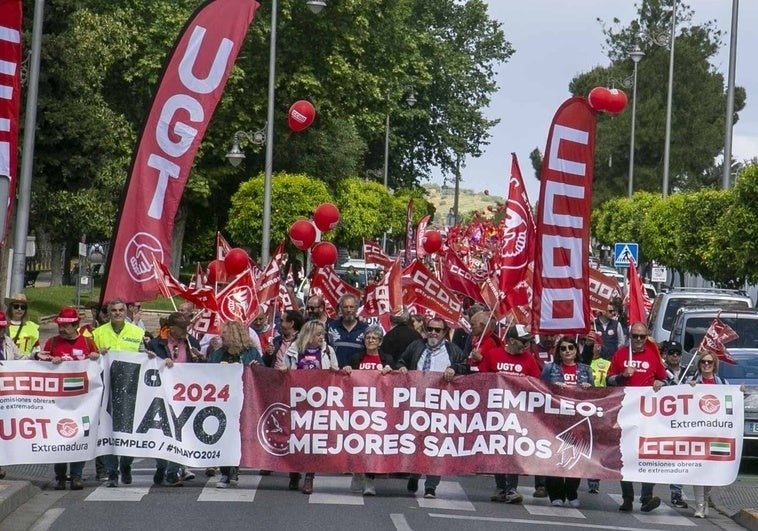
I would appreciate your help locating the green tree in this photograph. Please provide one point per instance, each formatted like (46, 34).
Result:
(698, 110)
(293, 197)
(365, 209)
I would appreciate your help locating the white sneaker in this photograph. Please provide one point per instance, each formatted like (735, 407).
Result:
(369, 488)
(573, 503)
(356, 484)
(557, 503)
(223, 483)
(186, 475)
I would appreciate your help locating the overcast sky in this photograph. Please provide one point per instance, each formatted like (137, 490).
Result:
(555, 40)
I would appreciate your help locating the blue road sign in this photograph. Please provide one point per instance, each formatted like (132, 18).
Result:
(624, 253)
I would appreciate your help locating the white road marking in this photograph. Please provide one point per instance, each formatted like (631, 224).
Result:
(400, 523)
(450, 496)
(245, 491)
(550, 510)
(334, 490)
(139, 488)
(581, 525)
(663, 515)
(47, 520)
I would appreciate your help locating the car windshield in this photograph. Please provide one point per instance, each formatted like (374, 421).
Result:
(675, 303)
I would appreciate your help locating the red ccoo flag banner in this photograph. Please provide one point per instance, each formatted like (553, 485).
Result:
(10, 105)
(188, 92)
(561, 275)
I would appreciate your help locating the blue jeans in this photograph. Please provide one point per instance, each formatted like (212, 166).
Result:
(676, 490)
(76, 470)
(627, 491)
(167, 470)
(506, 482)
(115, 464)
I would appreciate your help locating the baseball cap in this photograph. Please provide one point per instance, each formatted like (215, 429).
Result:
(519, 332)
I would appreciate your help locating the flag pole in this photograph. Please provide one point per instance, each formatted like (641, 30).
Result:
(481, 337)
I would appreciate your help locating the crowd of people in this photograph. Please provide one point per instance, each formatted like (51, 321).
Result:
(312, 340)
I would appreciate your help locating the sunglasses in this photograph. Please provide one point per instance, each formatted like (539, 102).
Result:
(639, 336)
(567, 348)
(674, 353)
(435, 329)
(18, 306)
(706, 362)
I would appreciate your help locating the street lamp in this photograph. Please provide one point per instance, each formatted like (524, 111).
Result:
(236, 155)
(667, 145)
(636, 55)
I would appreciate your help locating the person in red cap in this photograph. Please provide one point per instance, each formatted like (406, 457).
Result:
(8, 351)
(68, 345)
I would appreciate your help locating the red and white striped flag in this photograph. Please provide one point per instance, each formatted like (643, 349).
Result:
(713, 341)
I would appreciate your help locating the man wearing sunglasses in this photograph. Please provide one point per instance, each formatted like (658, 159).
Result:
(640, 367)
(433, 354)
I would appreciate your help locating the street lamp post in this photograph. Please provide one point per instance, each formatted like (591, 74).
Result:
(236, 156)
(411, 101)
(636, 55)
(667, 141)
(730, 97)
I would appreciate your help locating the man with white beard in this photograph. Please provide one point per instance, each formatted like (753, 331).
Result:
(433, 354)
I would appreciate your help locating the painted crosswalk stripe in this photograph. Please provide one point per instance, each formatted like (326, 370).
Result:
(541, 509)
(139, 488)
(334, 490)
(450, 496)
(245, 491)
(663, 515)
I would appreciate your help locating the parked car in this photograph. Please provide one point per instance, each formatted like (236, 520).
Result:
(666, 306)
(689, 328)
(362, 269)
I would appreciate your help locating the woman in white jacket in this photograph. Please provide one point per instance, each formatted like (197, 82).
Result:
(309, 351)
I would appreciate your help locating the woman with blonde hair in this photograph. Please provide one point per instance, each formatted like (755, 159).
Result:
(309, 351)
(236, 347)
(707, 373)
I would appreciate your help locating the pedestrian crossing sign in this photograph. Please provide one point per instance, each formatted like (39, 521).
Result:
(625, 253)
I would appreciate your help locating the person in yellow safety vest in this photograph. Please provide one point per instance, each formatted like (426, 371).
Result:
(118, 335)
(23, 332)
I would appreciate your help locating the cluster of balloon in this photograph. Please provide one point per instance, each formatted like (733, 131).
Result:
(300, 116)
(303, 234)
(612, 101)
(432, 241)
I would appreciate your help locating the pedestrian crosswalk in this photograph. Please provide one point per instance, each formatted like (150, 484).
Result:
(335, 490)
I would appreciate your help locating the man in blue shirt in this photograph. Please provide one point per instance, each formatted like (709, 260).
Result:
(345, 334)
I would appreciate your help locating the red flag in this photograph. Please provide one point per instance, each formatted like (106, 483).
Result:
(222, 246)
(190, 88)
(287, 299)
(420, 232)
(372, 254)
(713, 341)
(202, 297)
(198, 279)
(456, 276)
(205, 322)
(238, 300)
(269, 280)
(385, 296)
(517, 234)
(10, 105)
(602, 290)
(409, 240)
(636, 296)
(327, 283)
(424, 292)
(160, 277)
(561, 270)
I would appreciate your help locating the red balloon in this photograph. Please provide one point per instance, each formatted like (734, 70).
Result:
(617, 101)
(236, 261)
(216, 272)
(301, 116)
(432, 241)
(302, 234)
(326, 217)
(599, 98)
(324, 254)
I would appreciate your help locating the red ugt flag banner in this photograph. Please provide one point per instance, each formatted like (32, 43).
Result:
(189, 90)
(561, 275)
(713, 341)
(10, 103)
(637, 312)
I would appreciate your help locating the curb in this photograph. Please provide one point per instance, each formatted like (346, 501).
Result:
(747, 518)
(13, 494)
